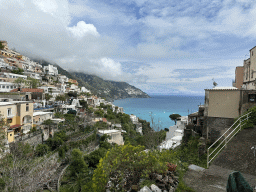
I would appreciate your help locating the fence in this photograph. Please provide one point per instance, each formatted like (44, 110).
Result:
(225, 138)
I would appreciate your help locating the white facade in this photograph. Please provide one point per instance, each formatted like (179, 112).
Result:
(175, 134)
(115, 136)
(14, 76)
(7, 86)
(84, 90)
(51, 70)
(54, 91)
(62, 79)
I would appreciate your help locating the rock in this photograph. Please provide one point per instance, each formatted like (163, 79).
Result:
(165, 179)
(158, 177)
(145, 189)
(154, 188)
(176, 177)
(171, 180)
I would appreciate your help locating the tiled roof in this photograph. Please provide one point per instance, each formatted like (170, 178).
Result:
(28, 90)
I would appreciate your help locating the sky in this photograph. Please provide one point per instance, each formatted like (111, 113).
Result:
(162, 47)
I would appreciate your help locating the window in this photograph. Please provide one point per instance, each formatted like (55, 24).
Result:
(252, 74)
(11, 87)
(10, 135)
(7, 87)
(27, 107)
(252, 53)
(9, 111)
(252, 98)
(3, 86)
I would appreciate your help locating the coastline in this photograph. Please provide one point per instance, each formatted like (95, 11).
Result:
(161, 106)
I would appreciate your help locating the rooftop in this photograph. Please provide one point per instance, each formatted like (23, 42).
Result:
(223, 88)
(29, 90)
(41, 113)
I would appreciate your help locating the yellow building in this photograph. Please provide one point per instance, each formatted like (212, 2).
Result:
(18, 115)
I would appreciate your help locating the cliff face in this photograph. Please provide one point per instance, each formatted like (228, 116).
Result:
(111, 90)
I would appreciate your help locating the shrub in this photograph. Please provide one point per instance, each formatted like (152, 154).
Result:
(41, 149)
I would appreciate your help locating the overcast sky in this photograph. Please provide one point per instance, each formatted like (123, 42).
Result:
(159, 46)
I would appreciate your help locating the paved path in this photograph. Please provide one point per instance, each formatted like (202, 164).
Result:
(238, 156)
(213, 179)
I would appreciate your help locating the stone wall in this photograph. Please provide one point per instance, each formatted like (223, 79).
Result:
(216, 126)
(34, 140)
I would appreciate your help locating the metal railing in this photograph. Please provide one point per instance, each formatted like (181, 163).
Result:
(226, 137)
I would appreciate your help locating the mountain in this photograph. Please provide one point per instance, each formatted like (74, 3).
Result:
(111, 90)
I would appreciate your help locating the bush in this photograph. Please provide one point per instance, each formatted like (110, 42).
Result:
(41, 149)
(61, 153)
(78, 164)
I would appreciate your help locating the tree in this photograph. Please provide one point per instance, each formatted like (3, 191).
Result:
(41, 149)
(1, 46)
(18, 71)
(48, 96)
(126, 165)
(61, 98)
(174, 117)
(84, 104)
(33, 83)
(20, 81)
(78, 164)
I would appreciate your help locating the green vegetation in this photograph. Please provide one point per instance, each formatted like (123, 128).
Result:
(1, 46)
(18, 71)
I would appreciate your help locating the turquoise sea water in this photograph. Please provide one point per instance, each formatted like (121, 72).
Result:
(159, 107)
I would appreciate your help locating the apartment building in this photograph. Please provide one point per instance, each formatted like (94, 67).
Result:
(18, 115)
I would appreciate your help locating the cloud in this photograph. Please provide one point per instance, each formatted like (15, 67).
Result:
(172, 46)
(83, 29)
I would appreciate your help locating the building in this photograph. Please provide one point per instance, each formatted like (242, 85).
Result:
(36, 94)
(19, 117)
(51, 70)
(7, 86)
(73, 81)
(239, 77)
(115, 136)
(222, 105)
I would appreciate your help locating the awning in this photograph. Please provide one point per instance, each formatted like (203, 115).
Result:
(15, 126)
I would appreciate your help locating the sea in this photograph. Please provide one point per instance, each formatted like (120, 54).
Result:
(157, 109)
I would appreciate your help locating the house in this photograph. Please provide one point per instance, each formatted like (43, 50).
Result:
(7, 86)
(19, 117)
(39, 117)
(73, 81)
(222, 105)
(51, 90)
(115, 136)
(84, 90)
(175, 134)
(239, 77)
(51, 70)
(36, 94)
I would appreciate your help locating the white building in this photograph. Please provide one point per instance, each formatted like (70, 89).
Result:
(7, 86)
(13, 76)
(51, 70)
(62, 79)
(115, 136)
(175, 134)
(84, 90)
